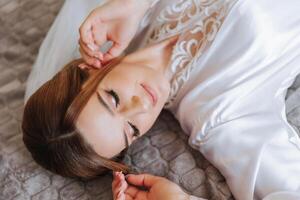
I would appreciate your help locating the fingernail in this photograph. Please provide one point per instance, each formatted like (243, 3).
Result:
(120, 177)
(81, 66)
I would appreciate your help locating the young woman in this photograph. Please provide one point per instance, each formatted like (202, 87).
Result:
(222, 67)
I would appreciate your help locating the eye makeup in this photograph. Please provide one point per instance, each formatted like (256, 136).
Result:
(136, 132)
(115, 96)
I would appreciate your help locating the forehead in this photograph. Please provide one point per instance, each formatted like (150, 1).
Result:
(101, 130)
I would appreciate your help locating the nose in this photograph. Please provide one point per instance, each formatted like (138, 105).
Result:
(136, 105)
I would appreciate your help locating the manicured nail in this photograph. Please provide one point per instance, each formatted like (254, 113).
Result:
(82, 66)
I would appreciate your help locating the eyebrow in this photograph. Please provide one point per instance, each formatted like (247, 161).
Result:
(113, 114)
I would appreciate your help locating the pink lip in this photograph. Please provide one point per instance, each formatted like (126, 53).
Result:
(151, 92)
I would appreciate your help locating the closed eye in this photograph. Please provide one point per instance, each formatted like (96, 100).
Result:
(115, 96)
(136, 131)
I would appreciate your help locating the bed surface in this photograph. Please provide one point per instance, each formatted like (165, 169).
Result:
(164, 151)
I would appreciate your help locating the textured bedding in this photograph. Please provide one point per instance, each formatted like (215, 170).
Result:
(163, 151)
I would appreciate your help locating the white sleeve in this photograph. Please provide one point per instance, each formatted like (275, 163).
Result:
(242, 126)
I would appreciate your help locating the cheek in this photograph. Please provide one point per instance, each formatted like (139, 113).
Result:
(146, 121)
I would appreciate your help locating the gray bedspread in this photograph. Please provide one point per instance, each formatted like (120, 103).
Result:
(164, 150)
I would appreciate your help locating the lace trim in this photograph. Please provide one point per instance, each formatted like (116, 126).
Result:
(198, 22)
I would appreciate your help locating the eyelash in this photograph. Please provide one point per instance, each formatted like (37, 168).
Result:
(115, 96)
(117, 100)
(136, 131)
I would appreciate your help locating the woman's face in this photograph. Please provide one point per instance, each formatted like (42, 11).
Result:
(121, 109)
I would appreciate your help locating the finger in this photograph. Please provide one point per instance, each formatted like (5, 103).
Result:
(123, 182)
(135, 193)
(114, 183)
(114, 51)
(146, 180)
(90, 60)
(84, 66)
(99, 32)
(127, 197)
(131, 191)
(117, 190)
(115, 179)
(85, 31)
(89, 52)
(121, 196)
(122, 187)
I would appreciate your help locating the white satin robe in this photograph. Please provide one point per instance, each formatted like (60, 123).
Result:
(233, 105)
(232, 101)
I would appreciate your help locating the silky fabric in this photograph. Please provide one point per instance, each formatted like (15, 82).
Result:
(231, 104)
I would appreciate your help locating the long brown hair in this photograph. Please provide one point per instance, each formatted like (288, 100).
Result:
(49, 130)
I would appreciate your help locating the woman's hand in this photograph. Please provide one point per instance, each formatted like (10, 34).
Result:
(119, 185)
(116, 21)
(156, 188)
